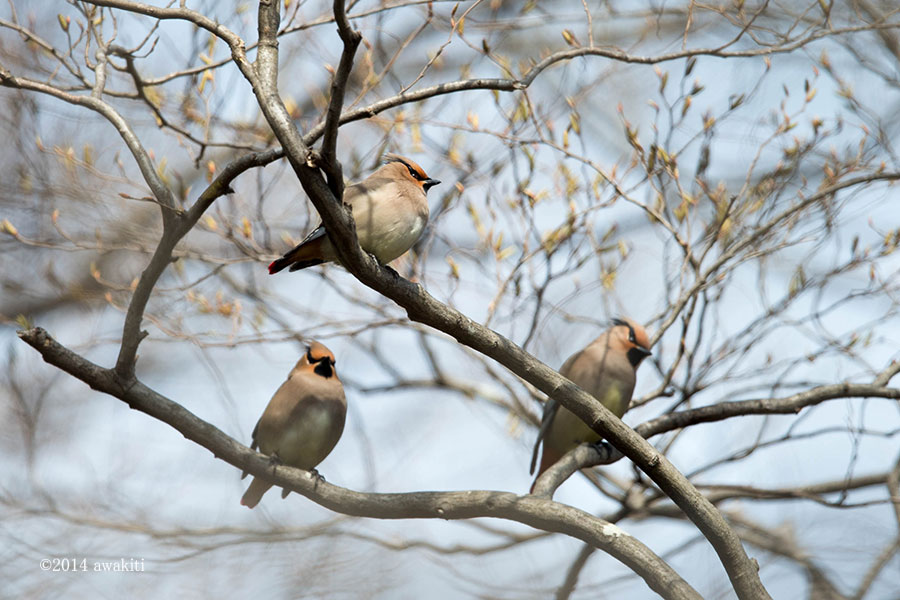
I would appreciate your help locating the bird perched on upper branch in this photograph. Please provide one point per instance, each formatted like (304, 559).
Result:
(390, 210)
(606, 370)
(304, 419)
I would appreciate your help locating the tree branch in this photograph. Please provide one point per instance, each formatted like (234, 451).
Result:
(422, 307)
(580, 457)
(131, 336)
(764, 406)
(351, 39)
(338, 223)
(586, 456)
(164, 196)
(168, 13)
(783, 544)
(535, 512)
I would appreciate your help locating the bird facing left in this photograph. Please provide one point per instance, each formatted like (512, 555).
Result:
(304, 419)
(390, 210)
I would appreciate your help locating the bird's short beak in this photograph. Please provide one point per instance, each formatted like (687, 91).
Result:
(643, 351)
(429, 183)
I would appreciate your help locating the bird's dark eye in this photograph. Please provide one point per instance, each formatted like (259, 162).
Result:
(631, 338)
(309, 355)
(416, 175)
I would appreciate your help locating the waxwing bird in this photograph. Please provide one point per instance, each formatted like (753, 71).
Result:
(606, 370)
(390, 210)
(304, 419)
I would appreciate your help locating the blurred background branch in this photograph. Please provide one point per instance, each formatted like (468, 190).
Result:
(722, 173)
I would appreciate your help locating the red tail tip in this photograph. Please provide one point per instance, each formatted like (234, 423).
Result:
(272, 269)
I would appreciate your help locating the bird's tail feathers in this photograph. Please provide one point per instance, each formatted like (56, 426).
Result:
(534, 455)
(255, 492)
(302, 264)
(305, 254)
(278, 265)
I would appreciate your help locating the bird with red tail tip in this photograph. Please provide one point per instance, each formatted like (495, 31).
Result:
(390, 210)
(304, 419)
(606, 369)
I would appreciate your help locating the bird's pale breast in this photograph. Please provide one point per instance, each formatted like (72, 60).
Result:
(390, 219)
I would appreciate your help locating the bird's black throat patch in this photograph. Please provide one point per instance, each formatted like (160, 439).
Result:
(636, 355)
(324, 368)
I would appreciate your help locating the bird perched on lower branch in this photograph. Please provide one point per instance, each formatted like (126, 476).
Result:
(390, 210)
(606, 370)
(304, 419)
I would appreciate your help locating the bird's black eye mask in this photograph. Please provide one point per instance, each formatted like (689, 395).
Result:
(427, 182)
(415, 174)
(625, 323)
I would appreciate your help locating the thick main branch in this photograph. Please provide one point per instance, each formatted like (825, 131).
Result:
(422, 307)
(535, 512)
